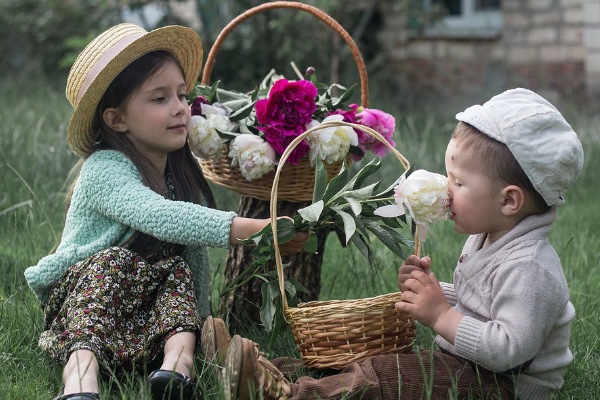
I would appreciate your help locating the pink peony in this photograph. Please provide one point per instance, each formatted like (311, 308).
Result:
(284, 115)
(349, 115)
(290, 104)
(379, 121)
(280, 139)
(196, 106)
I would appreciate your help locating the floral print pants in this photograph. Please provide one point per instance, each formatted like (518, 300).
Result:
(120, 307)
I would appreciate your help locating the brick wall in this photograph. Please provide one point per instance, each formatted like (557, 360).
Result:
(591, 36)
(543, 45)
(546, 45)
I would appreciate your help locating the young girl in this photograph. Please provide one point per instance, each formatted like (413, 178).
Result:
(129, 278)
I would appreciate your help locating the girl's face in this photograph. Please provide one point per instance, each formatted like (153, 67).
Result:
(156, 118)
(475, 201)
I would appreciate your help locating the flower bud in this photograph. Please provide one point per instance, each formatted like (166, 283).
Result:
(310, 71)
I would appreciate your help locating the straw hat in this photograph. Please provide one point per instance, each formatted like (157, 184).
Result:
(106, 56)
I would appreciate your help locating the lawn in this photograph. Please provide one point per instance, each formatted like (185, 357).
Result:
(35, 161)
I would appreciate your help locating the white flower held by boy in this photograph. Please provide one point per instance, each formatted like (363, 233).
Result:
(424, 194)
(254, 156)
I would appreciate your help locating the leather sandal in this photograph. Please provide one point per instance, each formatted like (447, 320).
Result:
(170, 385)
(214, 340)
(248, 374)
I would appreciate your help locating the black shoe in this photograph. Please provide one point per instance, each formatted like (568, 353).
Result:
(77, 396)
(170, 385)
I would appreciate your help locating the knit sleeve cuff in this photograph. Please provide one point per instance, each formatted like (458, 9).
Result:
(449, 292)
(467, 337)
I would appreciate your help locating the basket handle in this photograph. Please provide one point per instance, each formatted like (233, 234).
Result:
(273, 205)
(362, 69)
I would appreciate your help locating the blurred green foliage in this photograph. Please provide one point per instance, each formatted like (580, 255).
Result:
(45, 36)
(33, 32)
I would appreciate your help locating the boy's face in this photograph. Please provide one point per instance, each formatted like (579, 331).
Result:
(475, 201)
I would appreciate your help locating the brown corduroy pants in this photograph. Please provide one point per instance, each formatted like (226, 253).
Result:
(414, 376)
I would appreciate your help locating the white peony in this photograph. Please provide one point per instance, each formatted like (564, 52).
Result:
(204, 139)
(254, 156)
(214, 108)
(330, 144)
(424, 194)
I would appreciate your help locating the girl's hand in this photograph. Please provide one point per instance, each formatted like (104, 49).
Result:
(295, 245)
(412, 263)
(242, 228)
(425, 300)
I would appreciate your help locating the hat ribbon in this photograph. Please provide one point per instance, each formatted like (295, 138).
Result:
(108, 55)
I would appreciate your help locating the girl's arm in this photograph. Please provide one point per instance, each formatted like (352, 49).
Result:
(242, 228)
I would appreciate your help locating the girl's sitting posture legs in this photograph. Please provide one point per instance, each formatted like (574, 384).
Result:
(80, 375)
(179, 354)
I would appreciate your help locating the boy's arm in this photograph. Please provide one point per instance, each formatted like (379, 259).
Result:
(426, 301)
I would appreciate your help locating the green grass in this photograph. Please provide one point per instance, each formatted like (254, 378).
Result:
(35, 160)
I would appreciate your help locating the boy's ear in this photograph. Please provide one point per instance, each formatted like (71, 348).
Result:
(513, 200)
(113, 119)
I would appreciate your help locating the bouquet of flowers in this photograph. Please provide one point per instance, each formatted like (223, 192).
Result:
(255, 128)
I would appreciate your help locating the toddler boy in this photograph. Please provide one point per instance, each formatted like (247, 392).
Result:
(503, 324)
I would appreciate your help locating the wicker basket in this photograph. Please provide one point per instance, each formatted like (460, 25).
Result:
(297, 181)
(332, 334)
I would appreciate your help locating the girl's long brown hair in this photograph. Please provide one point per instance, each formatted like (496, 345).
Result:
(190, 184)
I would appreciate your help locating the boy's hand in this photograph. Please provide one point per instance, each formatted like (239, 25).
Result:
(425, 300)
(412, 263)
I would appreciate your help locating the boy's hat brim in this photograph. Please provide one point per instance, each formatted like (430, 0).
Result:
(538, 136)
(107, 56)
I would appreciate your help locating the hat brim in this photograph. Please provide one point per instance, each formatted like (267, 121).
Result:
(184, 43)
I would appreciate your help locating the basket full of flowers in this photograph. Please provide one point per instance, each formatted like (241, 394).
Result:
(240, 137)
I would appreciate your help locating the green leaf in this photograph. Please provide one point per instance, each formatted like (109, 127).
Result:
(355, 205)
(337, 185)
(391, 222)
(407, 242)
(365, 172)
(285, 230)
(267, 310)
(236, 104)
(345, 96)
(242, 113)
(311, 245)
(299, 287)
(320, 180)
(362, 247)
(312, 212)
(386, 238)
(227, 136)
(362, 193)
(360, 226)
(290, 289)
(213, 93)
(390, 190)
(348, 222)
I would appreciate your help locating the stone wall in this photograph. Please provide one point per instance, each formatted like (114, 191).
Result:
(543, 44)
(591, 40)
(546, 45)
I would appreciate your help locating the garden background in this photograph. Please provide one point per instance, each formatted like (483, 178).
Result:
(35, 162)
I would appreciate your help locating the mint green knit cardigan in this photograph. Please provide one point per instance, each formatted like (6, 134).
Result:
(110, 201)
